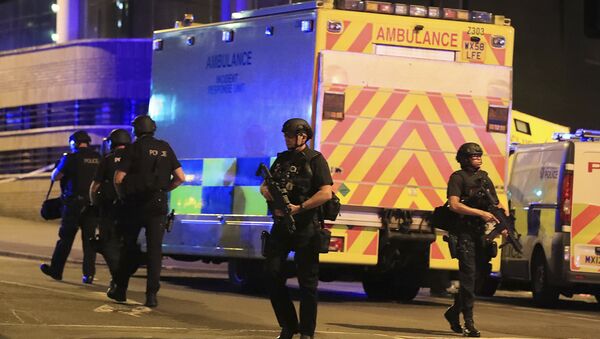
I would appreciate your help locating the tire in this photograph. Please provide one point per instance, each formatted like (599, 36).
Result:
(391, 286)
(544, 295)
(377, 286)
(486, 286)
(246, 275)
(407, 291)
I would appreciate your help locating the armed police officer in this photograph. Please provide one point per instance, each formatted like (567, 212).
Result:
(305, 175)
(75, 171)
(104, 196)
(147, 170)
(473, 250)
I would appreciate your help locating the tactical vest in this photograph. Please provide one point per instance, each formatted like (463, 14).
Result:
(295, 174)
(472, 188)
(78, 181)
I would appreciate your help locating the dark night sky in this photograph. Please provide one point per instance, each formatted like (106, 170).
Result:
(556, 65)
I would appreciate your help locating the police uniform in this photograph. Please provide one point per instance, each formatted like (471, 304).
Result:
(302, 173)
(473, 257)
(78, 169)
(148, 163)
(110, 209)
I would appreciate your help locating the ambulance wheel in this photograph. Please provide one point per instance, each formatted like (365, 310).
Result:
(376, 286)
(246, 275)
(544, 295)
(485, 284)
(407, 291)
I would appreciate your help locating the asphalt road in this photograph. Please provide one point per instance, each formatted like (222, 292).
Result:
(202, 304)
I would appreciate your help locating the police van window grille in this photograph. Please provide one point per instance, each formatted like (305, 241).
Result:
(72, 113)
(25, 161)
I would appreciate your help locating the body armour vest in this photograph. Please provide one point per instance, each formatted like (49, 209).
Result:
(293, 171)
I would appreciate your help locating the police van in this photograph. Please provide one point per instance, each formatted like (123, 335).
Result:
(552, 190)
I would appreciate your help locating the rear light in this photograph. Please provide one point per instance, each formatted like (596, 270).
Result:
(462, 14)
(484, 17)
(566, 199)
(418, 10)
(401, 9)
(336, 244)
(450, 13)
(434, 12)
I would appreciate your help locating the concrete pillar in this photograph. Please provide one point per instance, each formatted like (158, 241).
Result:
(68, 25)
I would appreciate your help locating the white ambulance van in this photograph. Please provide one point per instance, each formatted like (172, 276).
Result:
(554, 192)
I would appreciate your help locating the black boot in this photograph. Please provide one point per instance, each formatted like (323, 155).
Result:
(286, 333)
(87, 279)
(117, 294)
(47, 270)
(453, 320)
(470, 330)
(151, 300)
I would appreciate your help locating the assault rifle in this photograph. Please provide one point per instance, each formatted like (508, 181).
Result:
(506, 223)
(281, 201)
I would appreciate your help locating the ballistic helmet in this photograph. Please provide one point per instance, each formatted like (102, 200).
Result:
(143, 124)
(80, 137)
(119, 137)
(465, 151)
(297, 126)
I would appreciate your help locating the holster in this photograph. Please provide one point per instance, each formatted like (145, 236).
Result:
(265, 243)
(324, 239)
(452, 241)
(491, 248)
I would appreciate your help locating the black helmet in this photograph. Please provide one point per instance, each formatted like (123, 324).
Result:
(119, 137)
(80, 137)
(143, 124)
(466, 150)
(297, 126)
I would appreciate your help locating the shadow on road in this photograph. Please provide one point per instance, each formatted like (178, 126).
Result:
(562, 304)
(417, 331)
(223, 286)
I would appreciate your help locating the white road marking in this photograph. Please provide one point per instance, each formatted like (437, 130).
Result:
(17, 316)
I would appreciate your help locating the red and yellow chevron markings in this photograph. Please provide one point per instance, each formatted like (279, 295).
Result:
(585, 228)
(417, 132)
(353, 38)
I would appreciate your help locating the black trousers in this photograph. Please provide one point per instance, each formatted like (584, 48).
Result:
(110, 236)
(305, 244)
(73, 218)
(140, 216)
(472, 259)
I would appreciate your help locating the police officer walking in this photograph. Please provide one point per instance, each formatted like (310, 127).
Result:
(75, 172)
(305, 174)
(147, 170)
(472, 248)
(104, 197)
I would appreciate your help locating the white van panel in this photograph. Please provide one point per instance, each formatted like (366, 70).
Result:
(535, 174)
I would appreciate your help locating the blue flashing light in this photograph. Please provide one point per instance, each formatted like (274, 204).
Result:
(269, 30)
(306, 25)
